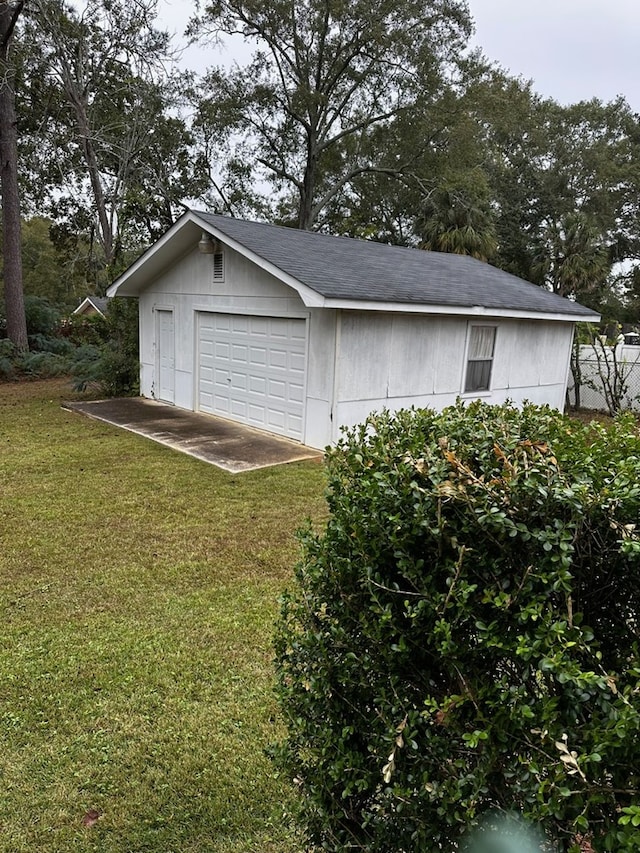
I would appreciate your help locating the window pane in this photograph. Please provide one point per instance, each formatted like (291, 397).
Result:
(481, 343)
(478, 376)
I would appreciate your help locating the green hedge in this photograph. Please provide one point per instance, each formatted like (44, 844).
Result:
(463, 636)
(110, 364)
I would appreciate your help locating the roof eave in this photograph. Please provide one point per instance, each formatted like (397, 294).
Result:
(457, 310)
(85, 302)
(175, 241)
(178, 240)
(310, 297)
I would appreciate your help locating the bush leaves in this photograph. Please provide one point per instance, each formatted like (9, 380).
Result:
(477, 581)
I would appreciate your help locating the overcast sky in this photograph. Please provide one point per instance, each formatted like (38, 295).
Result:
(572, 49)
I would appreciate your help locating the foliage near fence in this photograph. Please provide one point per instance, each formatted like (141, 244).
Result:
(605, 377)
(463, 636)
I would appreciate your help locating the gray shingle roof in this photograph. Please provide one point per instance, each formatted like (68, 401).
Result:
(101, 303)
(361, 270)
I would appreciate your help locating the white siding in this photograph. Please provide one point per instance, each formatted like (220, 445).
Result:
(397, 361)
(188, 287)
(320, 377)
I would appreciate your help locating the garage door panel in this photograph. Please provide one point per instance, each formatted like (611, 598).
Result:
(239, 381)
(239, 323)
(277, 389)
(260, 326)
(238, 408)
(257, 414)
(278, 359)
(280, 328)
(258, 385)
(240, 354)
(296, 362)
(221, 384)
(252, 370)
(296, 393)
(258, 356)
(276, 421)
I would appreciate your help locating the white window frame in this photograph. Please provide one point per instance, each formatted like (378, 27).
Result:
(470, 359)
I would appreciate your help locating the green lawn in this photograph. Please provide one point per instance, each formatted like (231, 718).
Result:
(138, 589)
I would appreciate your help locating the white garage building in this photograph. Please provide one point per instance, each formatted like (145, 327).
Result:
(299, 333)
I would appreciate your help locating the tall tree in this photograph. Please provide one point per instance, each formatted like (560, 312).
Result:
(114, 153)
(546, 162)
(11, 228)
(102, 59)
(326, 76)
(53, 267)
(442, 187)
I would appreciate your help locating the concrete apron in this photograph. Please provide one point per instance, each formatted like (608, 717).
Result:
(226, 444)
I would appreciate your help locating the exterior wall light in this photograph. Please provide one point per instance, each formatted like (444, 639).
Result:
(207, 245)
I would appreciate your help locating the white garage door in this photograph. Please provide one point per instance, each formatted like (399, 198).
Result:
(251, 369)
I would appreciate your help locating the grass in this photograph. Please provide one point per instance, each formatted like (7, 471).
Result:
(138, 589)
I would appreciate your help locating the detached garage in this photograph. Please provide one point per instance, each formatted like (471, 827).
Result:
(300, 333)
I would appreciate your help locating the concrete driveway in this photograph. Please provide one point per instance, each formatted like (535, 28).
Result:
(228, 445)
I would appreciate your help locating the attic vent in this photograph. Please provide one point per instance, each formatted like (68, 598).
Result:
(218, 266)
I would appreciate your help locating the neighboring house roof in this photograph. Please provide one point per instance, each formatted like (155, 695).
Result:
(93, 305)
(343, 272)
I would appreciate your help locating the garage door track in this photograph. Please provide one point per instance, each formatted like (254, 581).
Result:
(231, 446)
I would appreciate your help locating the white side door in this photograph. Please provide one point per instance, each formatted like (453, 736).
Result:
(166, 356)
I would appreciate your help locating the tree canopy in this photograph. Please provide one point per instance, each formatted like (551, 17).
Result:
(320, 98)
(369, 120)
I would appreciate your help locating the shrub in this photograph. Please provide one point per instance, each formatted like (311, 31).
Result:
(112, 367)
(86, 367)
(45, 362)
(463, 637)
(86, 330)
(58, 345)
(49, 352)
(7, 355)
(41, 365)
(121, 354)
(42, 318)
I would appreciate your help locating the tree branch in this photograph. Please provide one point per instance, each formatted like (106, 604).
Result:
(8, 33)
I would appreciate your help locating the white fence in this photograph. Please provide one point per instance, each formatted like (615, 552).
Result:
(598, 365)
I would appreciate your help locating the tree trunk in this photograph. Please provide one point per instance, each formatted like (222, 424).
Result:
(307, 190)
(11, 231)
(105, 231)
(576, 371)
(305, 212)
